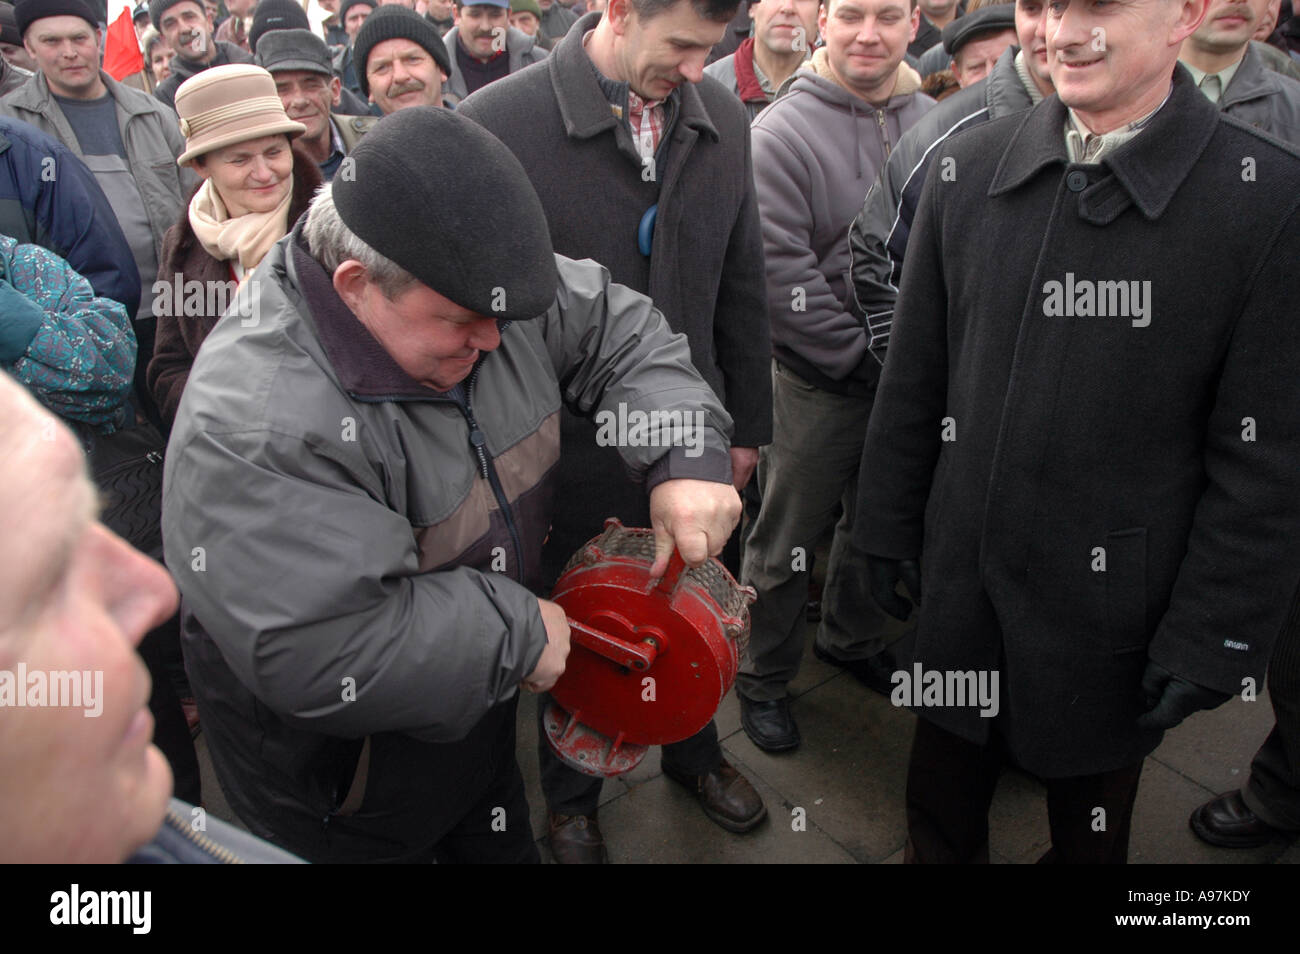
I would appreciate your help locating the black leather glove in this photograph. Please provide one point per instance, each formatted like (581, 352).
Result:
(1170, 699)
(883, 575)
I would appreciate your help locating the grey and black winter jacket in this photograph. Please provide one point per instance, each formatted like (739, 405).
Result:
(355, 549)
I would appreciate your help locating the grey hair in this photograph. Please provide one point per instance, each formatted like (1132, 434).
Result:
(332, 243)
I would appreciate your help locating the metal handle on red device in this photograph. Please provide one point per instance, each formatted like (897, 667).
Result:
(640, 655)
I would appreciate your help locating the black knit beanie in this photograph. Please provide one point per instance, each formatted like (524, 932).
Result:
(478, 236)
(276, 15)
(393, 22)
(27, 12)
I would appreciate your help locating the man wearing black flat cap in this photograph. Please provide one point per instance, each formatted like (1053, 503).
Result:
(366, 467)
(977, 40)
(310, 92)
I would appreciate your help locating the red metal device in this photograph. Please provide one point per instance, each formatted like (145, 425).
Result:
(650, 662)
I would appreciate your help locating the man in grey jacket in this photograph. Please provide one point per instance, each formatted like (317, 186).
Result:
(127, 138)
(1228, 69)
(817, 150)
(484, 47)
(358, 485)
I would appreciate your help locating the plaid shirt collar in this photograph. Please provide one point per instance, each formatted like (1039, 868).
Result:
(648, 120)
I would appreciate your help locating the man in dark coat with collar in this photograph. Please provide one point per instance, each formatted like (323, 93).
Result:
(1087, 431)
(679, 222)
(1230, 71)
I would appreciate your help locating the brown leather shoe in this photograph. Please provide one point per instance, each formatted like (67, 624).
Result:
(576, 840)
(725, 795)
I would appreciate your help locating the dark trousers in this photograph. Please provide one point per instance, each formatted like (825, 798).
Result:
(950, 783)
(1273, 792)
(569, 792)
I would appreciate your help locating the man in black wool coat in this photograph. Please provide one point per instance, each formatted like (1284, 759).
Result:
(1088, 433)
(643, 164)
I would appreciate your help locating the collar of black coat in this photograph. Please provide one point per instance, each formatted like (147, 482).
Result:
(366, 371)
(584, 106)
(1146, 171)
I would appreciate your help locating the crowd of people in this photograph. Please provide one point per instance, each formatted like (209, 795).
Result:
(990, 300)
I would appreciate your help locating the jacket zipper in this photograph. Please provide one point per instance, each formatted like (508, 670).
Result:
(479, 443)
(884, 130)
(224, 855)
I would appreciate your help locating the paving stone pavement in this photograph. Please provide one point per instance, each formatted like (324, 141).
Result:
(849, 777)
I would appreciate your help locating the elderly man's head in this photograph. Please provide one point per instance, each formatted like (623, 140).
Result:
(977, 40)
(75, 601)
(401, 61)
(1112, 63)
(428, 284)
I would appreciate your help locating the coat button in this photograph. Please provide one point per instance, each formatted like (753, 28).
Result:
(1076, 181)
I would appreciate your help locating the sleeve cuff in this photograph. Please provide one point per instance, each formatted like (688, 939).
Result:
(712, 464)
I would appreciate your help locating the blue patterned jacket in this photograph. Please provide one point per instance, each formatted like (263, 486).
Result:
(74, 350)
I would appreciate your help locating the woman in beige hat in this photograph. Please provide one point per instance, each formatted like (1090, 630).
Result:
(255, 185)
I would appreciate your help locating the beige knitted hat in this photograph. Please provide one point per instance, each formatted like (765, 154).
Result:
(229, 104)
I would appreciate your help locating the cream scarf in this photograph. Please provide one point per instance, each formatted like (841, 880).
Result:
(248, 237)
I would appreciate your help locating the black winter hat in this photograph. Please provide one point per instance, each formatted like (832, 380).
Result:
(158, 7)
(479, 237)
(28, 12)
(9, 32)
(276, 15)
(347, 5)
(393, 22)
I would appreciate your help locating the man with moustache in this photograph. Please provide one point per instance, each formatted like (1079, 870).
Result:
(784, 34)
(188, 29)
(401, 60)
(484, 47)
(1228, 69)
(1103, 508)
(878, 236)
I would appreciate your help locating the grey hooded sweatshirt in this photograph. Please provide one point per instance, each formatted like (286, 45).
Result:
(817, 150)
